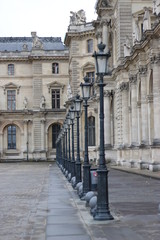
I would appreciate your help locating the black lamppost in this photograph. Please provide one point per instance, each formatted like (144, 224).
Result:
(69, 148)
(102, 211)
(78, 161)
(63, 140)
(86, 90)
(66, 140)
(72, 113)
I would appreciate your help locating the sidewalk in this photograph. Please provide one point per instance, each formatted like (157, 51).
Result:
(146, 173)
(38, 203)
(134, 201)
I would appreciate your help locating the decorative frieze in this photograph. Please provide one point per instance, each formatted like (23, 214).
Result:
(107, 93)
(124, 86)
(143, 69)
(155, 58)
(133, 78)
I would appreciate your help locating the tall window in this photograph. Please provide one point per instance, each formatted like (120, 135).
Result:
(90, 45)
(55, 68)
(11, 137)
(91, 131)
(55, 132)
(55, 98)
(91, 77)
(10, 69)
(11, 100)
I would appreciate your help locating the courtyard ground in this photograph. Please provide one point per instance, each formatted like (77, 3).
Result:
(38, 203)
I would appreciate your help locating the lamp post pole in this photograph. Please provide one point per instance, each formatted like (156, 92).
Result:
(102, 212)
(78, 161)
(86, 165)
(72, 112)
(86, 89)
(69, 147)
(66, 157)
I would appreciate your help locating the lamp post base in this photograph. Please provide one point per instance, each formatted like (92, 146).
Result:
(102, 211)
(102, 215)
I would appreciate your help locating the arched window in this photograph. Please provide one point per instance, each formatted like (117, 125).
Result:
(55, 68)
(11, 137)
(55, 132)
(10, 69)
(91, 131)
(90, 45)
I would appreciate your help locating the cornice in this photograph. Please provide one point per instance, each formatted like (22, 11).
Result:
(139, 47)
(71, 35)
(32, 58)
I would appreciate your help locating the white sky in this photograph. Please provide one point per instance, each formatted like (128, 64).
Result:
(18, 18)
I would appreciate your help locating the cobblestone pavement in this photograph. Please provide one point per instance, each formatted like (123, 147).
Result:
(38, 203)
(23, 201)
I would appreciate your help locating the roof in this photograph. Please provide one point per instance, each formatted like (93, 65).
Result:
(13, 44)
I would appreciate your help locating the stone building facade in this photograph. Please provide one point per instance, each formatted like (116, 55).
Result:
(33, 85)
(131, 31)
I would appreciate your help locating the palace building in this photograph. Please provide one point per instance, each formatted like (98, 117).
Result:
(39, 78)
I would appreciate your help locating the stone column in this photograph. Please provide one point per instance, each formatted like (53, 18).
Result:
(105, 33)
(42, 135)
(99, 36)
(1, 145)
(107, 119)
(125, 113)
(134, 115)
(144, 107)
(150, 117)
(25, 139)
(156, 97)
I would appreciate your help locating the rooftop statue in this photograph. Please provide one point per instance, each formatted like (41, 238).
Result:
(146, 20)
(36, 41)
(78, 17)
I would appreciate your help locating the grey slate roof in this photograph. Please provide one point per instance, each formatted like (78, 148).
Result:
(16, 43)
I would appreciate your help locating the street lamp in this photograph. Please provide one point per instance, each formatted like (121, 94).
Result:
(66, 157)
(77, 104)
(69, 148)
(86, 90)
(72, 113)
(102, 212)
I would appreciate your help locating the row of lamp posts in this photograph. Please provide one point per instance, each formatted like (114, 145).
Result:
(68, 164)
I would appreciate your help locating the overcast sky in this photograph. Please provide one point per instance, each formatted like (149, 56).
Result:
(18, 18)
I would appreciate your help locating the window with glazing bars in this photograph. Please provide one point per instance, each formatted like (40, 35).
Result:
(11, 100)
(91, 131)
(11, 137)
(55, 98)
(10, 69)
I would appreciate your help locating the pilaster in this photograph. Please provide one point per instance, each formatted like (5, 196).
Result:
(155, 60)
(144, 107)
(125, 113)
(107, 118)
(134, 116)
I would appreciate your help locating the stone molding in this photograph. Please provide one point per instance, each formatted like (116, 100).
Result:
(143, 69)
(124, 86)
(107, 93)
(133, 78)
(149, 98)
(155, 58)
(98, 34)
(11, 86)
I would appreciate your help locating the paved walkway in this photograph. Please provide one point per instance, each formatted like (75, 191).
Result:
(38, 203)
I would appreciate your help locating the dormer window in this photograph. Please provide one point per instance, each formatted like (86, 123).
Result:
(55, 68)
(10, 69)
(90, 45)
